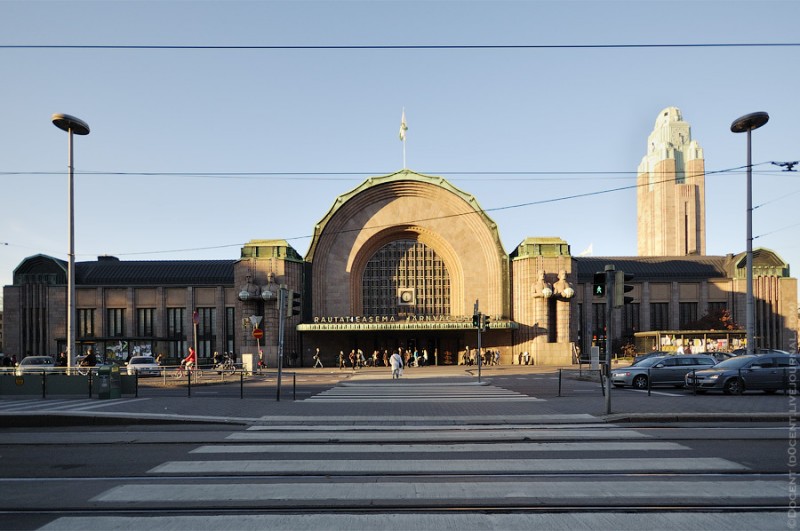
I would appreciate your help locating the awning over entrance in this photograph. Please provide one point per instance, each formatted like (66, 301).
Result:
(366, 326)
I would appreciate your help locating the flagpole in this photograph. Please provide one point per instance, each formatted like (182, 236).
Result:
(403, 129)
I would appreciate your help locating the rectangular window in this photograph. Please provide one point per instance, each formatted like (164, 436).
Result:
(630, 319)
(85, 322)
(176, 349)
(230, 329)
(175, 319)
(659, 316)
(206, 335)
(115, 322)
(144, 322)
(688, 315)
(598, 320)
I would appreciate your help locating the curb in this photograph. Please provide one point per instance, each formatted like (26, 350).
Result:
(701, 417)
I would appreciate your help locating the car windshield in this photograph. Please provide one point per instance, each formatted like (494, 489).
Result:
(734, 363)
(139, 361)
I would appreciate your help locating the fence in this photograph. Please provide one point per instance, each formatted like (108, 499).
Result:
(172, 381)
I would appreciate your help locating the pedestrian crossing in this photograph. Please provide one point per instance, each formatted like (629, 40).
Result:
(409, 474)
(468, 391)
(35, 405)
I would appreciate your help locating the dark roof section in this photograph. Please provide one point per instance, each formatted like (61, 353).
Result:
(108, 271)
(656, 267)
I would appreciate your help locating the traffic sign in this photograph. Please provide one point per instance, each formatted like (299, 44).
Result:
(258, 333)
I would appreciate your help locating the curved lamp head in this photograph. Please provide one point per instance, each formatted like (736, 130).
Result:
(748, 122)
(68, 123)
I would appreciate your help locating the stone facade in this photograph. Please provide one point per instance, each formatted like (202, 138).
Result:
(671, 191)
(539, 299)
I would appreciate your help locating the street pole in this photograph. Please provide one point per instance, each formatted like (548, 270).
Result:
(76, 126)
(282, 295)
(746, 124)
(478, 357)
(610, 278)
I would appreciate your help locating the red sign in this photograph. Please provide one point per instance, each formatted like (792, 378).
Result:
(258, 333)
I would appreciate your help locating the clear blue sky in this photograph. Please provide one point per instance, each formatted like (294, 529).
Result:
(323, 111)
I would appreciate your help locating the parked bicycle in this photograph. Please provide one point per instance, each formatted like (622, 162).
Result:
(225, 365)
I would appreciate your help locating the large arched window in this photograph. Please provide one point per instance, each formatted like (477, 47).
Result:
(405, 277)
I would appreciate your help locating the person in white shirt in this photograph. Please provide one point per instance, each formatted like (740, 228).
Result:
(397, 365)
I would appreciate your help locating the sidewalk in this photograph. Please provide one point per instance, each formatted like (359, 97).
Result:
(627, 406)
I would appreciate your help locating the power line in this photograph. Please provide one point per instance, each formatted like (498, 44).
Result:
(432, 218)
(396, 46)
(335, 176)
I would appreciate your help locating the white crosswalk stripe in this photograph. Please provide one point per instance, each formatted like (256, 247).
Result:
(334, 465)
(436, 392)
(55, 405)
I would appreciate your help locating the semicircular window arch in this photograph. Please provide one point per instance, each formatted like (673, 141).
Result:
(405, 277)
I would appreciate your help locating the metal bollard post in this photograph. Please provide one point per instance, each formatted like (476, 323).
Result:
(294, 386)
(559, 382)
(44, 385)
(648, 382)
(694, 381)
(189, 382)
(602, 382)
(241, 384)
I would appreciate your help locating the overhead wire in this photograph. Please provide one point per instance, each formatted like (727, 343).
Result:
(397, 46)
(418, 220)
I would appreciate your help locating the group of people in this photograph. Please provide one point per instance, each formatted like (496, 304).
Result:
(357, 359)
(486, 357)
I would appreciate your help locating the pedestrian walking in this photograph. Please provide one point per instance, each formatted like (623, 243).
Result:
(397, 365)
(317, 361)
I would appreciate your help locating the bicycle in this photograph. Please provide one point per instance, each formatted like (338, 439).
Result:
(227, 366)
(181, 371)
(84, 370)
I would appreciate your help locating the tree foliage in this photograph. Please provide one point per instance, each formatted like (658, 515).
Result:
(716, 320)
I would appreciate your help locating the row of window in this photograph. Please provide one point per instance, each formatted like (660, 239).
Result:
(175, 326)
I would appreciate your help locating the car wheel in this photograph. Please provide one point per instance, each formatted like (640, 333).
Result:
(640, 382)
(734, 386)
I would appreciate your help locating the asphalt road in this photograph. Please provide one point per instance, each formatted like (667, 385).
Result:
(360, 451)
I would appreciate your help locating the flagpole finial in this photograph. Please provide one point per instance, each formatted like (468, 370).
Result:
(403, 129)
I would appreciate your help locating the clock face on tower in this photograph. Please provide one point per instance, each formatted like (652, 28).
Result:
(406, 296)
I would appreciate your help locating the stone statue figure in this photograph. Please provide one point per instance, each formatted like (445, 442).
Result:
(562, 287)
(270, 291)
(541, 288)
(249, 290)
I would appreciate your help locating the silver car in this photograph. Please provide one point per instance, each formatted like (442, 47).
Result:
(143, 366)
(764, 372)
(661, 370)
(36, 364)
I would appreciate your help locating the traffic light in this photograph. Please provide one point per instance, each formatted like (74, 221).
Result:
(599, 284)
(476, 320)
(620, 289)
(485, 322)
(292, 303)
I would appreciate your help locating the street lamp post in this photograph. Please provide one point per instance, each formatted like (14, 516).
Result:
(76, 126)
(746, 124)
